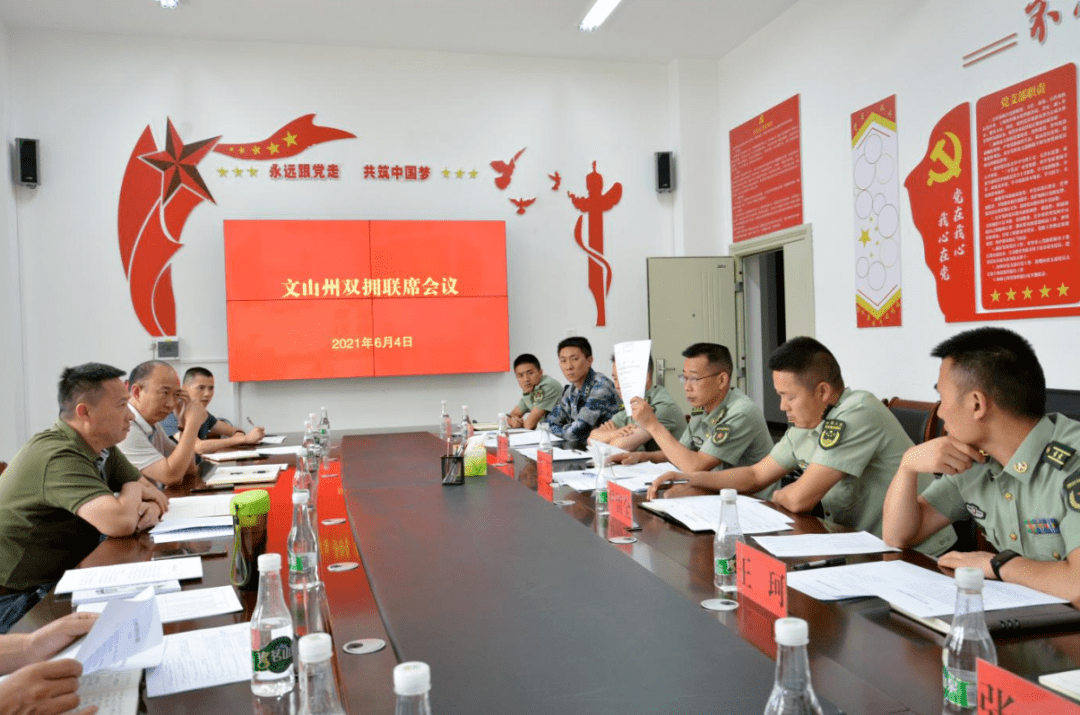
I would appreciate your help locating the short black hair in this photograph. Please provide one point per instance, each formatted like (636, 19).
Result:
(718, 355)
(83, 383)
(810, 362)
(526, 359)
(650, 361)
(1002, 364)
(578, 342)
(140, 372)
(194, 373)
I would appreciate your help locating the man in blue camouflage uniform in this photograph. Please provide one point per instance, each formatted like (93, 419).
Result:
(588, 401)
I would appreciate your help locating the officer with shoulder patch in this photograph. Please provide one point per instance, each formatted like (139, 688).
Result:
(726, 429)
(539, 393)
(622, 432)
(1005, 463)
(846, 443)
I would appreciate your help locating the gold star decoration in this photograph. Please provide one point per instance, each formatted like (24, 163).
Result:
(241, 150)
(253, 171)
(238, 171)
(273, 148)
(289, 139)
(995, 296)
(1011, 295)
(446, 173)
(255, 150)
(460, 173)
(222, 171)
(1027, 293)
(864, 238)
(1063, 289)
(1044, 291)
(473, 173)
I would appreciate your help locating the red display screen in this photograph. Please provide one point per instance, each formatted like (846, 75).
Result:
(321, 299)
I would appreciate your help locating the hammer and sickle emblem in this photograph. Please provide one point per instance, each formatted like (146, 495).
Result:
(951, 163)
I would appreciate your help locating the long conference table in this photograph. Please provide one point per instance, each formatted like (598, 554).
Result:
(523, 606)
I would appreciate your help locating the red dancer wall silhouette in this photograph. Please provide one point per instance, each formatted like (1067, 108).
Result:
(593, 205)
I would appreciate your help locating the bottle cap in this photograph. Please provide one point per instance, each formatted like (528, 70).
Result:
(323, 409)
(728, 495)
(316, 647)
(269, 562)
(501, 415)
(792, 632)
(412, 678)
(969, 578)
(301, 496)
(464, 408)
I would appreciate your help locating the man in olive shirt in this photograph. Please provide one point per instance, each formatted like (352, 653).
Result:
(620, 431)
(539, 393)
(1005, 463)
(843, 447)
(726, 429)
(57, 497)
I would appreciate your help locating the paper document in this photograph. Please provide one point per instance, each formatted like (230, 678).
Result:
(114, 693)
(202, 659)
(185, 605)
(578, 480)
(520, 438)
(1067, 682)
(191, 507)
(128, 574)
(858, 542)
(632, 366)
(703, 513)
(198, 522)
(247, 473)
(272, 439)
(558, 454)
(271, 451)
(638, 477)
(124, 629)
(112, 593)
(232, 456)
(201, 534)
(918, 591)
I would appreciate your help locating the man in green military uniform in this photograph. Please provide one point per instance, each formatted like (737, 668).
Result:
(621, 431)
(1004, 463)
(727, 428)
(539, 393)
(67, 487)
(843, 445)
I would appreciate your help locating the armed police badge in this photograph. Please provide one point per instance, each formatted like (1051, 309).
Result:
(720, 434)
(830, 434)
(1071, 487)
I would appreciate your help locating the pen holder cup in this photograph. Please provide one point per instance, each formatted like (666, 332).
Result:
(250, 511)
(453, 470)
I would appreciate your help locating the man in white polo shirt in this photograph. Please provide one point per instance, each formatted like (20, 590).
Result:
(154, 389)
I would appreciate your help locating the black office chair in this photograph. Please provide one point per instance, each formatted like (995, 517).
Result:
(919, 419)
(1067, 402)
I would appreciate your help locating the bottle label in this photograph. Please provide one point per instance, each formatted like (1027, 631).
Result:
(276, 657)
(301, 561)
(601, 496)
(958, 692)
(725, 567)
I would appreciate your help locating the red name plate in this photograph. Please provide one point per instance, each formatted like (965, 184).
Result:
(503, 452)
(620, 505)
(543, 468)
(1003, 693)
(762, 578)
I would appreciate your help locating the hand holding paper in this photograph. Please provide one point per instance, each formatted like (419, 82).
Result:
(632, 367)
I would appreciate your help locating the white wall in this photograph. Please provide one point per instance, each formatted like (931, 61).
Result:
(88, 97)
(840, 56)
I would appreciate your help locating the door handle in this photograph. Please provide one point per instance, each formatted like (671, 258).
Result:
(661, 364)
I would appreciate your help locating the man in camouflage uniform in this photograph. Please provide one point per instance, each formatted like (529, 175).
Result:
(588, 401)
(1004, 463)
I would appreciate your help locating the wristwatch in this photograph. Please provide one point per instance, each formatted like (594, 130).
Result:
(999, 560)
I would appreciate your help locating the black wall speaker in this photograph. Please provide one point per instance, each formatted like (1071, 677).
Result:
(665, 172)
(28, 161)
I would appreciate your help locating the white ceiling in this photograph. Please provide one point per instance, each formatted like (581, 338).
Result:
(647, 30)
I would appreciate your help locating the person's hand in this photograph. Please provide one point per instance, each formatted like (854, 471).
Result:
(514, 422)
(944, 455)
(627, 457)
(975, 559)
(624, 431)
(643, 414)
(149, 515)
(47, 688)
(685, 490)
(255, 435)
(662, 482)
(151, 493)
(193, 413)
(53, 637)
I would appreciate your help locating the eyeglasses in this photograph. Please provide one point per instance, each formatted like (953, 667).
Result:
(693, 380)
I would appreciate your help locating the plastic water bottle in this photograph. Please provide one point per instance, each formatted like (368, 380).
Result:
(271, 633)
(968, 640)
(792, 693)
(504, 424)
(301, 477)
(309, 434)
(318, 688)
(545, 439)
(446, 425)
(412, 685)
(728, 534)
(303, 551)
(324, 431)
(467, 430)
(601, 485)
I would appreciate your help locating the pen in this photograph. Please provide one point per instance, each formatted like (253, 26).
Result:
(839, 560)
(250, 422)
